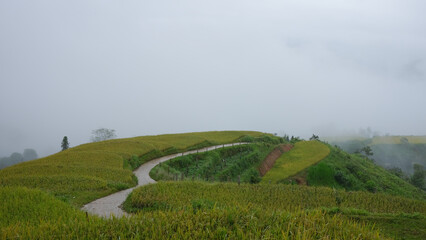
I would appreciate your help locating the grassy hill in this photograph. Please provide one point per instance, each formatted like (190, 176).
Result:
(90, 171)
(359, 200)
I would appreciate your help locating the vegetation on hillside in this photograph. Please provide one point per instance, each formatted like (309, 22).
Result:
(355, 172)
(226, 164)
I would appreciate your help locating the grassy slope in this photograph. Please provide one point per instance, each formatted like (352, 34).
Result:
(93, 170)
(355, 172)
(303, 155)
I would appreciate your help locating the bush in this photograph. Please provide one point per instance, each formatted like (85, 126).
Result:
(251, 176)
(371, 186)
(321, 175)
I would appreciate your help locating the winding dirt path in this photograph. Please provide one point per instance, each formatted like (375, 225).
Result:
(110, 205)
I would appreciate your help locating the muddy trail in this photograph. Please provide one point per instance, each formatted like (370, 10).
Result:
(272, 157)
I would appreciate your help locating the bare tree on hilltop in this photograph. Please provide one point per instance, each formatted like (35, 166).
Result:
(102, 134)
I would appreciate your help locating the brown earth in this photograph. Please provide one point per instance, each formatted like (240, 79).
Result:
(272, 157)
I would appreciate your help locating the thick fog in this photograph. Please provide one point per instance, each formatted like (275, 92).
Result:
(153, 67)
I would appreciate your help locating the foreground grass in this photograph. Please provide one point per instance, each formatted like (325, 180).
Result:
(194, 223)
(396, 217)
(303, 155)
(90, 171)
(395, 226)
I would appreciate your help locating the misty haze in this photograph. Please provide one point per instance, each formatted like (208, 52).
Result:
(155, 67)
(325, 99)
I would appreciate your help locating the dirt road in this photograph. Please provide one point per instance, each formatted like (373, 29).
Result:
(110, 205)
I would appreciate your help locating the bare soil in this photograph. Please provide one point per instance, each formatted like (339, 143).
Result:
(269, 161)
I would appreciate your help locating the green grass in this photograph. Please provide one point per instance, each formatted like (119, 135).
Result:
(356, 173)
(399, 226)
(30, 206)
(303, 155)
(90, 171)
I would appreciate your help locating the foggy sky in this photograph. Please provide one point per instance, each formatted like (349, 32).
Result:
(153, 67)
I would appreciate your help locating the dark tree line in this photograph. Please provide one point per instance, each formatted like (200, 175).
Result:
(15, 158)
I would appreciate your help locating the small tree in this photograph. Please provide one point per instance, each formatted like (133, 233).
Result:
(367, 150)
(65, 144)
(418, 178)
(314, 137)
(102, 134)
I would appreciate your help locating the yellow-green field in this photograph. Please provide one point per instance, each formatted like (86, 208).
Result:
(90, 171)
(397, 140)
(303, 155)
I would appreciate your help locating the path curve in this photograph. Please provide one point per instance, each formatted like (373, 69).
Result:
(110, 205)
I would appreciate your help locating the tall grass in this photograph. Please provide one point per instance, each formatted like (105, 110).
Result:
(186, 195)
(49, 218)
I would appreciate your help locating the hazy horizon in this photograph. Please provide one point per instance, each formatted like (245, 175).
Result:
(156, 67)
